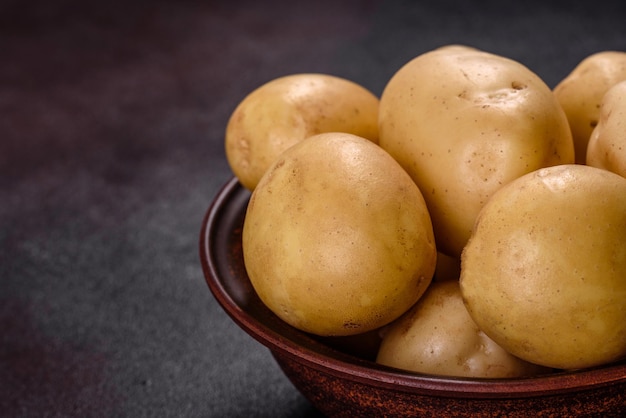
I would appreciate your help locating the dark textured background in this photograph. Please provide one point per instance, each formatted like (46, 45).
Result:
(111, 149)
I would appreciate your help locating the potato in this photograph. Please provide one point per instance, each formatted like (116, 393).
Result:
(337, 239)
(288, 109)
(607, 144)
(463, 123)
(581, 92)
(437, 336)
(544, 273)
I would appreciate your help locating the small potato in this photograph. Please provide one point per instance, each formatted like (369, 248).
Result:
(288, 109)
(607, 145)
(544, 273)
(337, 239)
(463, 123)
(438, 336)
(581, 92)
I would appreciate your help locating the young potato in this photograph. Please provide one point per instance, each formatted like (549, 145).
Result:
(337, 239)
(438, 336)
(463, 123)
(544, 274)
(581, 92)
(288, 109)
(607, 145)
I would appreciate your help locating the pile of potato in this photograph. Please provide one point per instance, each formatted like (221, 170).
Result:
(472, 217)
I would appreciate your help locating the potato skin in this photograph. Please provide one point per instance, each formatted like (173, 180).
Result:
(544, 274)
(437, 336)
(337, 239)
(607, 144)
(288, 109)
(581, 92)
(463, 123)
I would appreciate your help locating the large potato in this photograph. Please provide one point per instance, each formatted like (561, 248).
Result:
(438, 336)
(581, 92)
(337, 239)
(463, 123)
(607, 144)
(288, 109)
(544, 274)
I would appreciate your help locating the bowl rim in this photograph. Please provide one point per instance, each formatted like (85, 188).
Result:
(345, 366)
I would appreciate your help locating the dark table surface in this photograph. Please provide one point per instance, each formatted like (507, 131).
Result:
(111, 150)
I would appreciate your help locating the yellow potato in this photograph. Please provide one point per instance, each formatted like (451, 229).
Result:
(438, 336)
(607, 145)
(288, 109)
(463, 123)
(581, 92)
(337, 239)
(544, 274)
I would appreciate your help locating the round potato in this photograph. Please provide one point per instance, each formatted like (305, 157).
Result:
(581, 92)
(337, 239)
(438, 336)
(288, 109)
(607, 144)
(463, 123)
(544, 273)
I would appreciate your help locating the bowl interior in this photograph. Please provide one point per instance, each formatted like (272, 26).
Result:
(222, 262)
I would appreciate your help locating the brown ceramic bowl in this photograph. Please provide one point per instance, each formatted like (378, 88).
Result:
(339, 383)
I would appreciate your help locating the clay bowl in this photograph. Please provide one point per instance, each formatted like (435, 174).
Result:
(340, 383)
